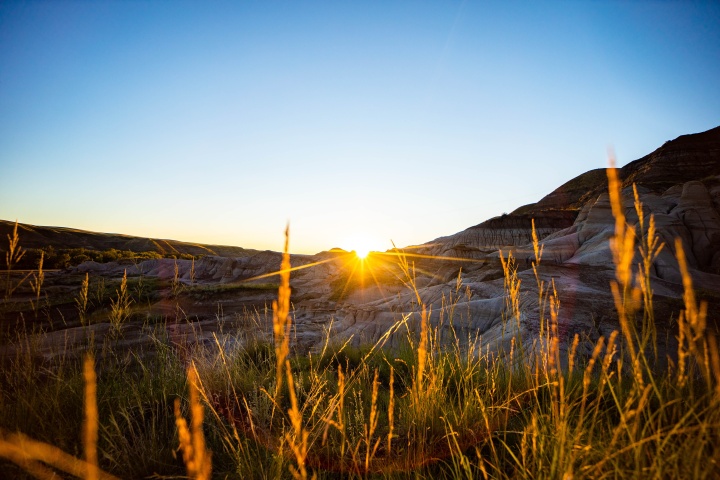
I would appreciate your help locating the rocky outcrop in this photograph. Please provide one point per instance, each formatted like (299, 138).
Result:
(688, 158)
(685, 159)
(499, 232)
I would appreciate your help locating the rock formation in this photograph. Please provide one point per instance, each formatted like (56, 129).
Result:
(679, 184)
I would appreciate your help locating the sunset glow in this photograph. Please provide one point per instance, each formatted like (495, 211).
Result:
(362, 253)
(413, 119)
(363, 243)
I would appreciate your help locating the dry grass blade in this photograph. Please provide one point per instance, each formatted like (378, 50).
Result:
(281, 316)
(625, 294)
(81, 301)
(24, 451)
(32, 455)
(298, 438)
(196, 457)
(37, 282)
(90, 430)
(692, 324)
(13, 255)
(120, 306)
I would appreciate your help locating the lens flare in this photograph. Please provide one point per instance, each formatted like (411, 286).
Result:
(362, 253)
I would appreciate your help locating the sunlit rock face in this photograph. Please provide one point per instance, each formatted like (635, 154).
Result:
(664, 173)
(499, 232)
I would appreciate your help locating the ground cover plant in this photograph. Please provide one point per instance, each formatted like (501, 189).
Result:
(424, 409)
(69, 257)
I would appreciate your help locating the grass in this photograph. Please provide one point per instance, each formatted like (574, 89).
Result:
(425, 409)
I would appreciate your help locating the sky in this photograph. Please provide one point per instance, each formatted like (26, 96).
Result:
(356, 122)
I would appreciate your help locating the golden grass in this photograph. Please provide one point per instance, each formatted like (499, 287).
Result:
(90, 430)
(281, 316)
(432, 408)
(120, 306)
(37, 457)
(13, 255)
(81, 301)
(192, 440)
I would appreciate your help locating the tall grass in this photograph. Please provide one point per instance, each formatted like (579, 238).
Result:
(432, 407)
(81, 300)
(119, 306)
(13, 255)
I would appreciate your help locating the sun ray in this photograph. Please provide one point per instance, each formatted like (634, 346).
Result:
(278, 272)
(432, 257)
(361, 266)
(347, 282)
(375, 279)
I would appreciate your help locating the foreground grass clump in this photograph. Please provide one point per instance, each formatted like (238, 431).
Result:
(426, 409)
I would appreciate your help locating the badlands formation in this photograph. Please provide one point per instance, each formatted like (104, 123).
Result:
(458, 277)
(679, 184)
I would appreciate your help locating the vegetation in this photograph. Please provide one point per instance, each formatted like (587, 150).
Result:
(69, 257)
(425, 409)
(120, 306)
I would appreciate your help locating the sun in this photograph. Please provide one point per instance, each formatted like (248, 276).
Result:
(361, 244)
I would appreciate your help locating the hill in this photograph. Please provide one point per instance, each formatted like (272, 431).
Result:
(62, 238)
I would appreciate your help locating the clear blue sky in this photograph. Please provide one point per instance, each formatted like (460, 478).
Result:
(217, 122)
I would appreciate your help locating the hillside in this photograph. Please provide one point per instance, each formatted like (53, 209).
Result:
(694, 157)
(39, 237)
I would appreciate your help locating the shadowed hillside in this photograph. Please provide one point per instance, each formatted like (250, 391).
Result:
(38, 237)
(694, 157)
